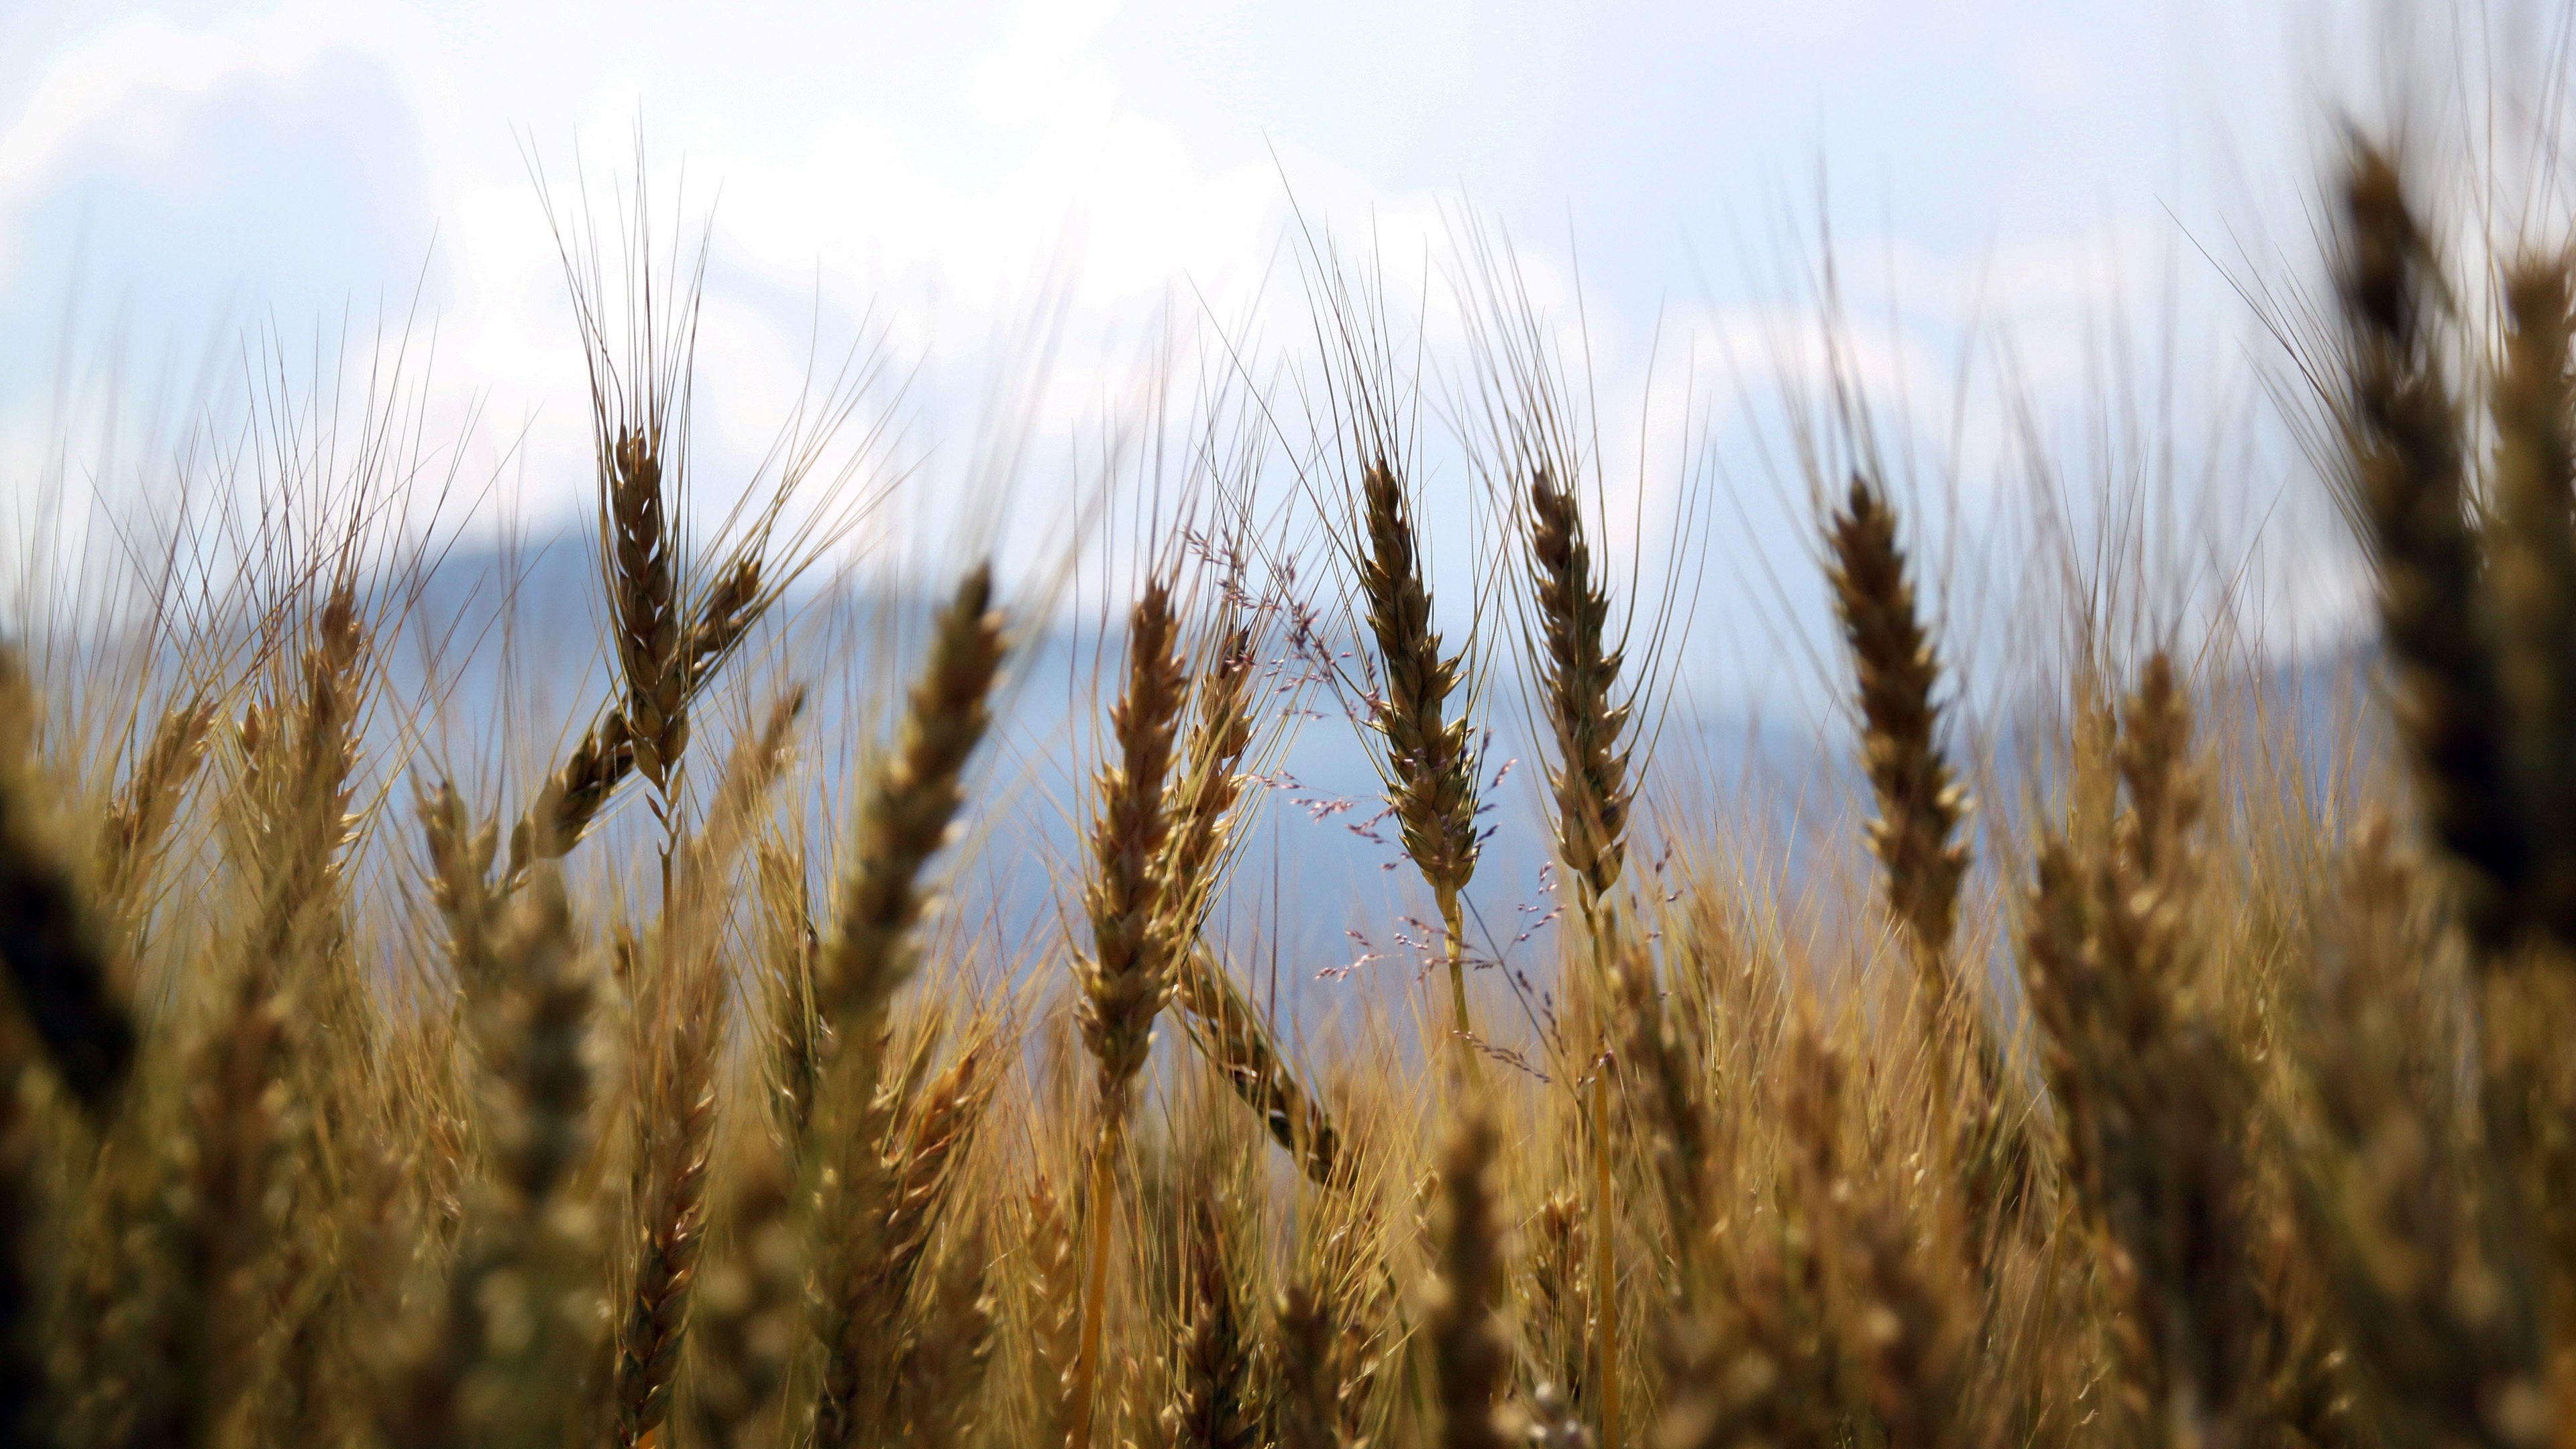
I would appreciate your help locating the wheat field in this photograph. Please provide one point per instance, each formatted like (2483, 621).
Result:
(353, 1102)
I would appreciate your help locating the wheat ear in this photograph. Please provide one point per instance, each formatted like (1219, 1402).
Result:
(642, 575)
(455, 1384)
(1126, 980)
(904, 817)
(1579, 691)
(1213, 1401)
(2406, 472)
(905, 813)
(1430, 760)
(1230, 1032)
(1470, 1352)
(1578, 670)
(1224, 1027)
(2151, 1098)
(951, 1348)
(874, 1254)
(571, 799)
(139, 817)
(679, 1021)
(50, 943)
(1055, 1305)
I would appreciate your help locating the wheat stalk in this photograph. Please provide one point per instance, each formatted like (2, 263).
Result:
(1578, 669)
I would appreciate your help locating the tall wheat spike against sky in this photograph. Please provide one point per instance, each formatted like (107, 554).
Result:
(1288, 726)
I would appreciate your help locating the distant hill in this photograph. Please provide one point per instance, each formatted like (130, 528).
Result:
(1320, 909)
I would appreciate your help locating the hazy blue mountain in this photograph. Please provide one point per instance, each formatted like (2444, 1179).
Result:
(1320, 909)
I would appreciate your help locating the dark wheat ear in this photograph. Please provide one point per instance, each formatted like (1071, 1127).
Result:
(2405, 473)
(2531, 575)
(51, 943)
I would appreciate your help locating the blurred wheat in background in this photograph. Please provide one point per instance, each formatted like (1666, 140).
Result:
(2200, 1081)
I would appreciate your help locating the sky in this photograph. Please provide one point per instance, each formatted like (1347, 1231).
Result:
(196, 195)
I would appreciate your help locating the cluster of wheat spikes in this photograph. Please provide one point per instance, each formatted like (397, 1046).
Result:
(2274, 1149)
